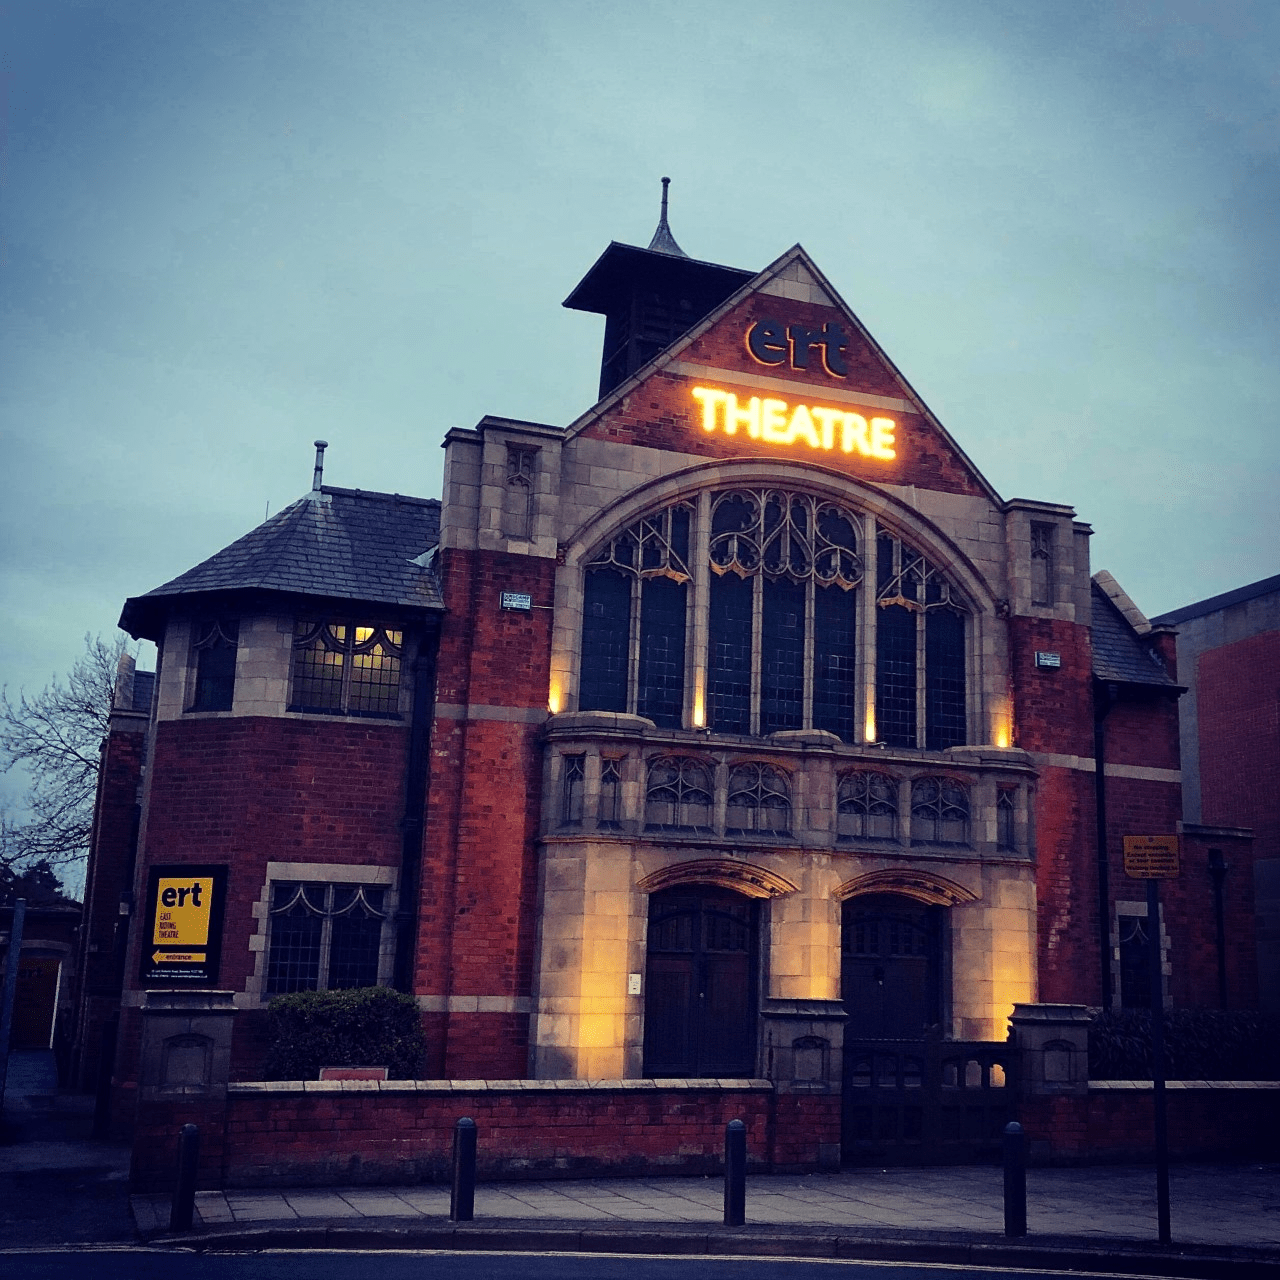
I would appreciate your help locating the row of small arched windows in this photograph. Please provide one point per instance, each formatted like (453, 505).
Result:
(680, 796)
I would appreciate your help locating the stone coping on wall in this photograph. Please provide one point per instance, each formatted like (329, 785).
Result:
(1101, 1085)
(251, 1087)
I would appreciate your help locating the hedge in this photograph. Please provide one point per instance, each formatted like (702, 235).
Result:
(361, 1027)
(1199, 1044)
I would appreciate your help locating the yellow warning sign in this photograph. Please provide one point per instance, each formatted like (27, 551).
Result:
(183, 911)
(1151, 857)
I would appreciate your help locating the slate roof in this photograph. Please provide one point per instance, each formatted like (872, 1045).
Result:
(144, 687)
(343, 543)
(1120, 655)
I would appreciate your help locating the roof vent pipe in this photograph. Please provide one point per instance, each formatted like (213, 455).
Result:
(317, 478)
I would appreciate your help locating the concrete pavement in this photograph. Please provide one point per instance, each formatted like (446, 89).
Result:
(1220, 1209)
(1226, 1219)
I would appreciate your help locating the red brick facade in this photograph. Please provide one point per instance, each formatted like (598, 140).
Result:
(521, 905)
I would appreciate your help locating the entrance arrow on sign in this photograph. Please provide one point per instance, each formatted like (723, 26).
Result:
(178, 957)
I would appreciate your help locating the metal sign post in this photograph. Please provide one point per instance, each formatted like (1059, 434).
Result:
(1155, 858)
(10, 989)
(1157, 1059)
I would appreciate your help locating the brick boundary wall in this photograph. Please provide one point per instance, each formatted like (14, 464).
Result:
(333, 1133)
(354, 1132)
(1114, 1121)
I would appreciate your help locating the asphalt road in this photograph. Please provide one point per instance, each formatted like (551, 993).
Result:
(170, 1264)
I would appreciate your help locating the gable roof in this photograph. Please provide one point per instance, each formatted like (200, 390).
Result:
(336, 543)
(1120, 655)
(795, 273)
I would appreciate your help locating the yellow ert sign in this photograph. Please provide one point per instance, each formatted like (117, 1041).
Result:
(183, 911)
(184, 924)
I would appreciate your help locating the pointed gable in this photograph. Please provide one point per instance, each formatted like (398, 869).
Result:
(783, 368)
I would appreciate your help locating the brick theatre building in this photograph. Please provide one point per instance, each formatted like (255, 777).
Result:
(732, 728)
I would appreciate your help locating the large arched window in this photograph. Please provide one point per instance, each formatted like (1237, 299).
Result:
(750, 611)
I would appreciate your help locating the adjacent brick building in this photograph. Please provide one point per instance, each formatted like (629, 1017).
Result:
(731, 727)
(1229, 651)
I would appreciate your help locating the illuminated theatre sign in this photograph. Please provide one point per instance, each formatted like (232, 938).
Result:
(778, 422)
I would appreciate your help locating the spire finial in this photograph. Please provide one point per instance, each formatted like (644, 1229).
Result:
(317, 476)
(663, 241)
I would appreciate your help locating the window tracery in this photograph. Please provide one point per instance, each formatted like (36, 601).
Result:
(346, 668)
(678, 795)
(324, 937)
(517, 498)
(759, 801)
(779, 579)
(214, 645)
(867, 806)
(939, 811)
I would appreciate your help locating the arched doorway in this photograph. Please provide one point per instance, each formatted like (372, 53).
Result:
(911, 1094)
(700, 1010)
(891, 966)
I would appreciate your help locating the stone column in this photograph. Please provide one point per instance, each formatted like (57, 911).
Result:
(186, 1044)
(1052, 1043)
(186, 1065)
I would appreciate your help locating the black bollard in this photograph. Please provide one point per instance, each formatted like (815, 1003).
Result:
(184, 1194)
(1015, 1180)
(462, 1199)
(735, 1173)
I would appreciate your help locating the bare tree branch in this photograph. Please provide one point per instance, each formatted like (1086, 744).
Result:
(55, 736)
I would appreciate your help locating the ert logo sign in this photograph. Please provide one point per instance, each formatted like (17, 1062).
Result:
(771, 342)
(183, 937)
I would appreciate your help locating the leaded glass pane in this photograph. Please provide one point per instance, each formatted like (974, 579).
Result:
(606, 638)
(356, 939)
(782, 656)
(729, 657)
(835, 660)
(662, 626)
(944, 680)
(896, 676)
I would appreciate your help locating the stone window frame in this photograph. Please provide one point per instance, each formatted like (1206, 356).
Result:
(374, 877)
(862, 779)
(573, 786)
(1043, 563)
(210, 634)
(807, 786)
(320, 628)
(943, 806)
(519, 487)
(763, 790)
(1007, 819)
(684, 785)
(873, 596)
(1129, 910)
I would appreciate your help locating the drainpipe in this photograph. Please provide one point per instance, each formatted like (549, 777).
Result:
(1218, 874)
(415, 803)
(1104, 698)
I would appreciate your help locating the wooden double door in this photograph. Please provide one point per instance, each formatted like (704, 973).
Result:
(700, 1009)
(911, 1096)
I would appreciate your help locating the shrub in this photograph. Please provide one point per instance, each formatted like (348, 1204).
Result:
(1199, 1044)
(362, 1027)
